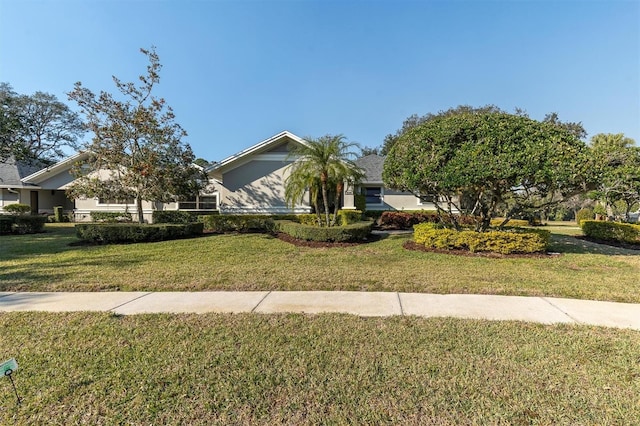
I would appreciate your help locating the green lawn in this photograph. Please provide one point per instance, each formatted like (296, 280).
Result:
(82, 368)
(46, 262)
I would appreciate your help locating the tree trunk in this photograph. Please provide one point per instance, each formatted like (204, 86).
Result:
(325, 198)
(336, 207)
(139, 206)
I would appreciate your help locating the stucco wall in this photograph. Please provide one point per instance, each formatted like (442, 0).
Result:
(256, 187)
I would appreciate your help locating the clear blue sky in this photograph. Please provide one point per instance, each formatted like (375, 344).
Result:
(238, 72)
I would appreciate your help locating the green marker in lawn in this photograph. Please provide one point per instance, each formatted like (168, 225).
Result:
(7, 368)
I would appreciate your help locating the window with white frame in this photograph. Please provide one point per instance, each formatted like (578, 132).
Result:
(201, 202)
(116, 201)
(426, 199)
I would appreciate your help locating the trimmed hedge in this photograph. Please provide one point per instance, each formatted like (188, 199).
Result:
(21, 224)
(495, 222)
(109, 233)
(110, 217)
(504, 242)
(238, 223)
(407, 219)
(6, 224)
(611, 231)
(350, 233)
(17, 208)
(173, 216)
(345, 217)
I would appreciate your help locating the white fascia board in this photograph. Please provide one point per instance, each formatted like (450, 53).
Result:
(60, 166)
(253, 149)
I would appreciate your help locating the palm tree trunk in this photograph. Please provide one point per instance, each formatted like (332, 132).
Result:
(336, 206)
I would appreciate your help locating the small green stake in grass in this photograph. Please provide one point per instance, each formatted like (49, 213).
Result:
(7, 368)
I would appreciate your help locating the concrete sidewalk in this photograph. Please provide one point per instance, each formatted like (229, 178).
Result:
(546, 310)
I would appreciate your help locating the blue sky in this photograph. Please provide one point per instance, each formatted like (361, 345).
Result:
(238, 72)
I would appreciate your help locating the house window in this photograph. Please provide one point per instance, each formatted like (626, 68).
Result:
(202, 202)
(117, 201)
(426, 199)
(372, 194)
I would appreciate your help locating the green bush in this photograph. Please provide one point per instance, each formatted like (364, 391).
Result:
(6, 224)
(238, 223)
(360, 201)
(110, 217)
(495, 222)
(350, 233)
(347, 217)
(109, 233)
(504, 242)
(58, 214)
(584, 214)
(17, 208)
(611, 231)
(173, 216)
(29, 224)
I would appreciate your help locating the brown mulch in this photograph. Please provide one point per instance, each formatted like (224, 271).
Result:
(410, 245)
(324, 244)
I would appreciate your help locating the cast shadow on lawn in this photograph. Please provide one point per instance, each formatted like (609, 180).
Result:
(580, 245)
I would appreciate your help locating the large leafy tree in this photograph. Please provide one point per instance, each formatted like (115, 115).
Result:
(37, 126)
(321, 167)
(137, 145)
(616, 162)
(475, 162)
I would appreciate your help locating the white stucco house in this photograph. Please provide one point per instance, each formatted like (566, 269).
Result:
(249, 182)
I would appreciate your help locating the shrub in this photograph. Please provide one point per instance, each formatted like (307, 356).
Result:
(406, 219)
(360, 201)
(173, 216)
(505, 242)
(58, 214)
(495, 222)
(18, 208)
(611, 231)
(6, 224)
(238, 223)
(110, 217)
(584, 214)
(350, 233)
(109, 233)
(29, 224)
(347, 217)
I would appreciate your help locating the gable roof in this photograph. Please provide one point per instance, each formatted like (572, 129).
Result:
(372, 165)
(62, 166)
(13, 172)
(243, 156)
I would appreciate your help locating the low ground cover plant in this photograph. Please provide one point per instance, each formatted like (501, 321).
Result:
(407, 219)
(509, 241)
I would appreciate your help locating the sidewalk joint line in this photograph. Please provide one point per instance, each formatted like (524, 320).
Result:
(558, 308)
(129, 301)
(400, 303)
(260, 302)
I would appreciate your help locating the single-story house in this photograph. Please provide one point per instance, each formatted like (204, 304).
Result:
(249, 182)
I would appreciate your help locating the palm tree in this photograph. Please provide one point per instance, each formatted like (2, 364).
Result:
(323, 162)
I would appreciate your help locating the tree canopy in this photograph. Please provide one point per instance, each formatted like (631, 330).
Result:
(477, 161)
(36, 126)
(616, 162)
(321, 165)
(136, 143)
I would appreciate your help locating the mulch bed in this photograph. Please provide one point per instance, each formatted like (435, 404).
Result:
(320, 244)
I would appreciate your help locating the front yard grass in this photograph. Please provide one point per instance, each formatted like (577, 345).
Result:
(98, 368)
(45, 262)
